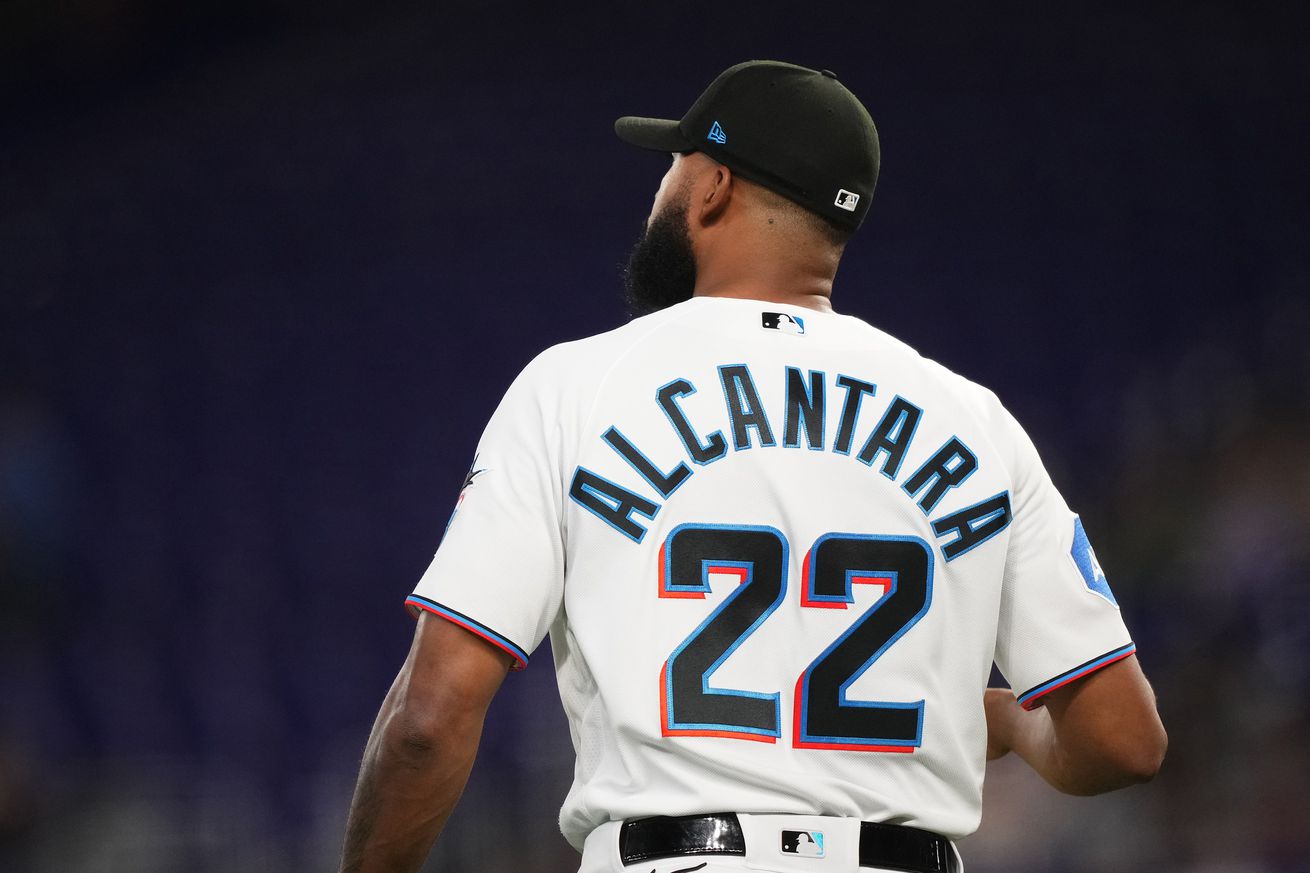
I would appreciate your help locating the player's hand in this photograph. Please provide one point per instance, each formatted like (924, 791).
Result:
(1002, 711)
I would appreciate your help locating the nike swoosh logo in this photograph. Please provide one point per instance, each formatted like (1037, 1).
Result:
(689, 869)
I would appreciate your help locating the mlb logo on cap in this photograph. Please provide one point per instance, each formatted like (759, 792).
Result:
(847, 200)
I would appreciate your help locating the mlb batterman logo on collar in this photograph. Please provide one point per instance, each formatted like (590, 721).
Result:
(796, 131)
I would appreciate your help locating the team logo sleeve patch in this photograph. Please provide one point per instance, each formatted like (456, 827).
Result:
(1084, 559)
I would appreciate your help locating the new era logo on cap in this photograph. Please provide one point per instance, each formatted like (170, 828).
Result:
(847, 200)
(717, 134)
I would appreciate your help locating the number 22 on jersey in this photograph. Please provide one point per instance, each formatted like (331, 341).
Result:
(824, 718)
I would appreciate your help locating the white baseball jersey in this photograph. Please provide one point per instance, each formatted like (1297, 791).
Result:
(777, 552)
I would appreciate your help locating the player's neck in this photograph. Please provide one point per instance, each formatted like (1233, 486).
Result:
(810, 291)
(750, 266)
(818, 301)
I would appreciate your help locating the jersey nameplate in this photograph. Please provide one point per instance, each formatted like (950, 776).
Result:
(807, 410)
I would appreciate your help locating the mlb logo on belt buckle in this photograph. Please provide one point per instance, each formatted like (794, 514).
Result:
(808, 844)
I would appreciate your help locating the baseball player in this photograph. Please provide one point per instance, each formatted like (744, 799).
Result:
(777, 552)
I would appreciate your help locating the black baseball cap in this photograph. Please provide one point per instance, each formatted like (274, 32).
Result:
(796, 131)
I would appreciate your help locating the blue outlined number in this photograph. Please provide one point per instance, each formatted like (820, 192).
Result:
(824, 718)
(757, 556)
(902, 566)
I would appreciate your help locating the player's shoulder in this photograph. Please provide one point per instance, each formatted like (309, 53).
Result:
(992, 422)
(974, 397)
(584, 361)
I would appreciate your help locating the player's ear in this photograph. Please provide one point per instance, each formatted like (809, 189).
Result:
(714, 195)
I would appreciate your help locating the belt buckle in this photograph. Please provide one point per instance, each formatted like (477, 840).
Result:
(801, 843)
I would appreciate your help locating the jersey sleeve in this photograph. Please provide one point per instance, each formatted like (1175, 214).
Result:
(1059, 620)
(499, 570)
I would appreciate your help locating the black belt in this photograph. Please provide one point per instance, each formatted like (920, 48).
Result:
(894, 847)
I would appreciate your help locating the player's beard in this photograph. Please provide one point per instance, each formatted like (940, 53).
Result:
(661, 269)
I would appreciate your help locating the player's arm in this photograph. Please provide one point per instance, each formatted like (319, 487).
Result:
(1097, 734)
(422, 747)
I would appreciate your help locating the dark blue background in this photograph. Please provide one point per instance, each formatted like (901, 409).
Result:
(266, 268)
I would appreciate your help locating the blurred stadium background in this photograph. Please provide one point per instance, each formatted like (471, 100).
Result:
(266, 267)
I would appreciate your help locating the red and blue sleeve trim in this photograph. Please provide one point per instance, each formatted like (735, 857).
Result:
(1031, 698)
(472, 626)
